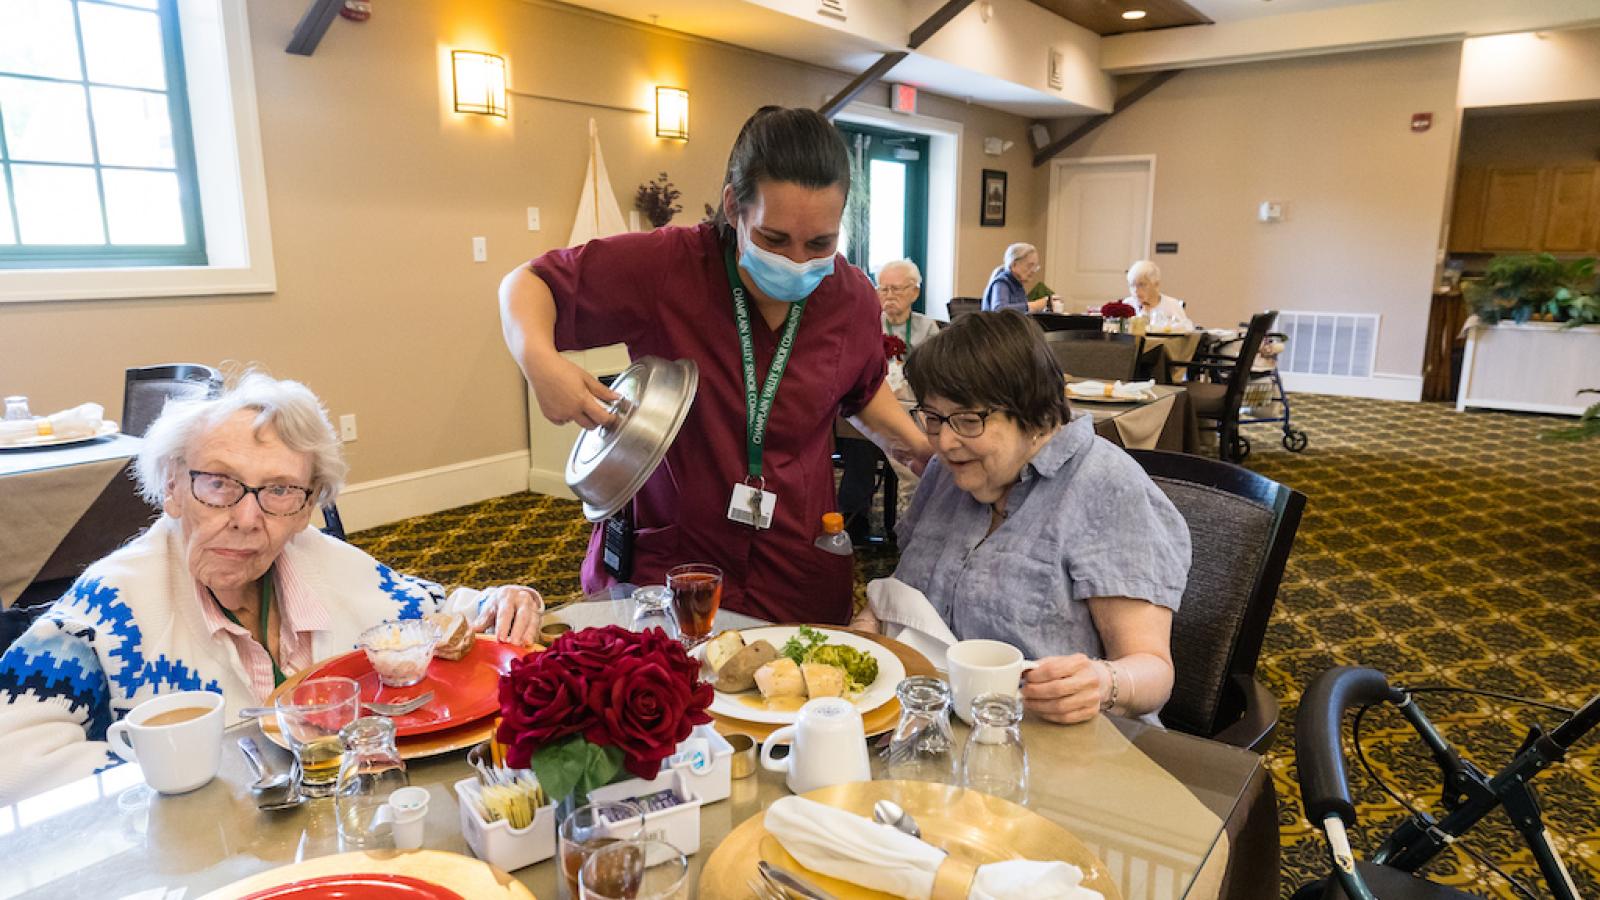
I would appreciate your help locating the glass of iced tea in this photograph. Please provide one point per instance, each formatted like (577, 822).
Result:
(635, 870)
(696, 593)
(588, 829)
(310, 717)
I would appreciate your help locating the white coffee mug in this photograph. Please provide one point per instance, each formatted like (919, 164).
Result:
(829, 746)
(983, 667)
(176, 757)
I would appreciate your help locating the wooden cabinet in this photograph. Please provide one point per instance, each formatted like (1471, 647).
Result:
(1505, 209)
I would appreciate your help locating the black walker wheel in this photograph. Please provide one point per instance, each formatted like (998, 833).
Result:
(1294, 440)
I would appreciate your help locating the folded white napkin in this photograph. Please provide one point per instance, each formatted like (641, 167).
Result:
(1117, 390)
(908, 617)
(79, 421)
(852, 848)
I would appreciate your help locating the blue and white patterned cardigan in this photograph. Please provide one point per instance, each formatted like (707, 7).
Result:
(124, 632)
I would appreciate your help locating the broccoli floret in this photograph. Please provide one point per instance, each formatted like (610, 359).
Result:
(861, 668)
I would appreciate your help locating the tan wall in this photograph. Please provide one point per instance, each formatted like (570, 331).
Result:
(1570, 137)
(1329, 138)
(1531, 67)
(376, 190)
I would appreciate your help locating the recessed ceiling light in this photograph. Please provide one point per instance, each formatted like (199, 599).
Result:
(1134, 14)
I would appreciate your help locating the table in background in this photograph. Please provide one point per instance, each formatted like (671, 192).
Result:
(1166, 423)
(1132, 792)
(62, 508)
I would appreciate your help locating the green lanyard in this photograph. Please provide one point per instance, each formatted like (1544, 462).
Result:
(908, 330)
(759, 406)
(266, 608)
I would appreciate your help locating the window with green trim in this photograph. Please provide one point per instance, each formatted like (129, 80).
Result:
(96, 153)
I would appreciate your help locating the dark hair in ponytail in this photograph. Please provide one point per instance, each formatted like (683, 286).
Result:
(778, 144)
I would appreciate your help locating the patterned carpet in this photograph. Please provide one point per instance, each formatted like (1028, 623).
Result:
(1441, 548)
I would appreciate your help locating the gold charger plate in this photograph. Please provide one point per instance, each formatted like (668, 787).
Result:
(968, 825)
(464, 875)
(877, 721)
(419, 746)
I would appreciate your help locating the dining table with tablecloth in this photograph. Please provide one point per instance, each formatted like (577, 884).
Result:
(62, 508)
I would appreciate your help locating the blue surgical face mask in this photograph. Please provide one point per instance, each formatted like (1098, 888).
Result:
(780, 277)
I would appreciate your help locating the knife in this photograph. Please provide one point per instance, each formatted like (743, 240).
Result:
(794, 883)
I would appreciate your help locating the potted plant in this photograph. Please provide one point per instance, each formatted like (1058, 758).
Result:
(658, 200)
(1536, 288)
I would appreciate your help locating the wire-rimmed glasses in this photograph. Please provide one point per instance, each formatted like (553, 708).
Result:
(221, 491)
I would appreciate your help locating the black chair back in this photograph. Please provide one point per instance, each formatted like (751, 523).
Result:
(147, 389)
(1094, 354)
(1241, 528)
(1059, 322)
(1249, 346)
(960, 306)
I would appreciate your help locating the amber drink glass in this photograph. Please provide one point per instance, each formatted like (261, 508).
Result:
(696, 594)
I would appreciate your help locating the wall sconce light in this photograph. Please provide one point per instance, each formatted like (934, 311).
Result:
(480, 82)
(672, 113)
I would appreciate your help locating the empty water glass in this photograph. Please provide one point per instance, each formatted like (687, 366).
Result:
(923, 747)
(995, 762)
(652, 608)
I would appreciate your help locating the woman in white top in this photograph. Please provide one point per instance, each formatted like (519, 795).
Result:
(1144, 295)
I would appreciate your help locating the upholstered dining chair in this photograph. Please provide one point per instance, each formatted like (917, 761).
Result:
(1095, 354)
(145, 390)
(960, 306)
(1061, 322)
(1241, 529)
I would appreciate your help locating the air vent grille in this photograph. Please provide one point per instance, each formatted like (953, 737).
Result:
(1325, 343)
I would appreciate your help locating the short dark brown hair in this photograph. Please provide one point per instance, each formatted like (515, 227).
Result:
(994, 360)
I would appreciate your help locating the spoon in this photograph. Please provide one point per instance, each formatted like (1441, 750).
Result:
(272, 790)
(888, 812)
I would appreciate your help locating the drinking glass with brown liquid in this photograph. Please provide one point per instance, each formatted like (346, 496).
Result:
(310, 718)
(696, 595)
(586, 830)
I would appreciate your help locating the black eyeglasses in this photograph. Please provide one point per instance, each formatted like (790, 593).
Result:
(966, 424)
(222, 492)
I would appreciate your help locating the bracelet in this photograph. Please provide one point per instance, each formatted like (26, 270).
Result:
(1110, 702)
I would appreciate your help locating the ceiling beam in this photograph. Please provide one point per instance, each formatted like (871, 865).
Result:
(862, 82)
(873, 75)
(938, 20)
(1055, 148)
(313, 25)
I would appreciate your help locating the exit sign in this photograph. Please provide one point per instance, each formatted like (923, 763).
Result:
(903, 98)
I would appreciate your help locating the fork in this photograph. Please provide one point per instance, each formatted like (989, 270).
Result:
(402, 707)
(765, 891)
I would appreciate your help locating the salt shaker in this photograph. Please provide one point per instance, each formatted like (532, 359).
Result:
(17, 409)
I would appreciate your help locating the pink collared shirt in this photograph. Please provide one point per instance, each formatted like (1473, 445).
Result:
(300, 615)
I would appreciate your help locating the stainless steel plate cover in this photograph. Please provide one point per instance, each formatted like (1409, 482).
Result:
(609, 465)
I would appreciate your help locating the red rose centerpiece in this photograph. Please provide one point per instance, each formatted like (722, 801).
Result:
(894, 347)
(599, 701)
(1116, 309)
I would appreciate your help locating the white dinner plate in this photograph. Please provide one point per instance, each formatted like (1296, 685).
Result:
(890, 673)
(106, 429)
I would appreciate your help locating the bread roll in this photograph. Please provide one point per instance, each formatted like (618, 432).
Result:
(457, 640)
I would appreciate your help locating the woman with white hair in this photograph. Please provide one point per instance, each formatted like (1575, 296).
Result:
(230, 590)
(1008, 284)
(1164, 313)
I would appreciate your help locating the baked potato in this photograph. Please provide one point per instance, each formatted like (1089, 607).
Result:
(738, 673)
(722, 648)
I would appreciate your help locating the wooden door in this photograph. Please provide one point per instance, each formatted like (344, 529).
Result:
(1513, 209)
(1466, 220)
(1099, 226)
(1567, 224)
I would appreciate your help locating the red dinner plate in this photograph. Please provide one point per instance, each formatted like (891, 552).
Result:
(357, 887)
(464, 690)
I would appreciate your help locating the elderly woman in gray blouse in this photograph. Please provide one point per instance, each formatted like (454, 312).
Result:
(1029, 529)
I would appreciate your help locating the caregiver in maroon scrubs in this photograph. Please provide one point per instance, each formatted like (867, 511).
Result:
(769, 263)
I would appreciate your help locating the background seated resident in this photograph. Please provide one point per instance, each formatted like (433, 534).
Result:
(899, 286)
(231, 590)
(1008, 284)
(1164, 313)
(1028, 529)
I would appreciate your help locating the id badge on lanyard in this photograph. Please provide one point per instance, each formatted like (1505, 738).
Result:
(751, 503)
